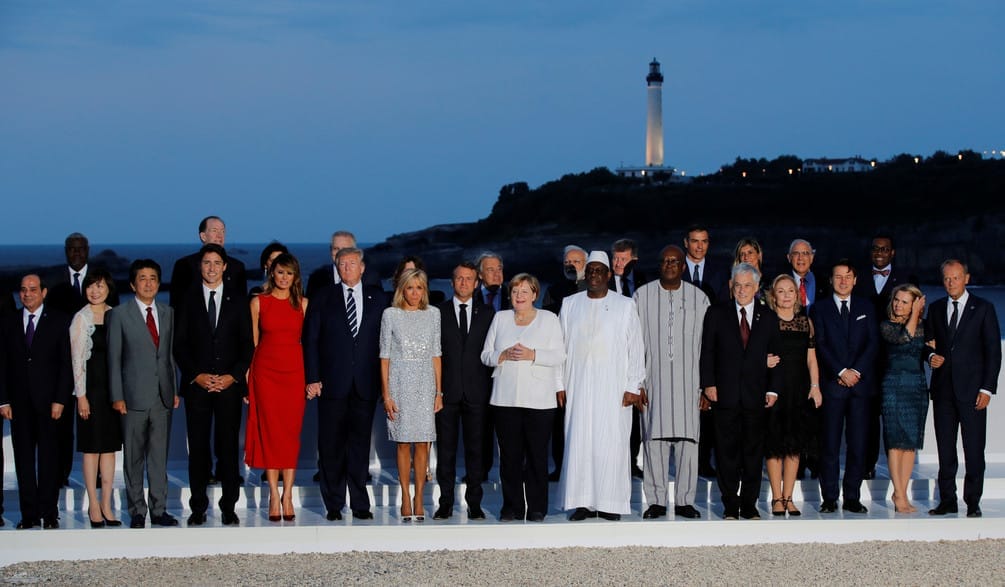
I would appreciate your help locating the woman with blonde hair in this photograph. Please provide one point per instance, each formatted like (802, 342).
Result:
(411, 383)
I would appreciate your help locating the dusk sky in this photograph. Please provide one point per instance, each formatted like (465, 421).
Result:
(129, 121)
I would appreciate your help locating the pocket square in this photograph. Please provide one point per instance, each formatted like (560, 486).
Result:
(860, 317)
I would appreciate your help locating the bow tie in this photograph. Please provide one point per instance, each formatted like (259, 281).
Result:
(883, 272)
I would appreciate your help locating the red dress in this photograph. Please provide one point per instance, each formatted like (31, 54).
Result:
(276, 384)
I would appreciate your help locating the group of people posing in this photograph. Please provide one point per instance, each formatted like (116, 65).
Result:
(703, 362)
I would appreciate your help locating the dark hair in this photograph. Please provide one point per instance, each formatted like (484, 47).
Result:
(694, 227)
(466, 265)
(844, 263)
(887, 236)
(297, 289)
(401, 267)
(205, 221)
(213, 248)
(625, 244)
(268, 250)
(135, 266)
(96, 274)
(75, 236)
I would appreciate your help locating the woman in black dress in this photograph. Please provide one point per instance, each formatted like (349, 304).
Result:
(788, 432)
(99, 427)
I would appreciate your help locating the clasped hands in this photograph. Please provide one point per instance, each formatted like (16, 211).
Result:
(517, 352)
(313, 390)
(214, 383)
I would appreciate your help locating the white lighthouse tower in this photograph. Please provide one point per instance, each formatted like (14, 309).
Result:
(654, 116)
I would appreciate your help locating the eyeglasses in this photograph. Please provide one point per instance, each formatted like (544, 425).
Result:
(671, 261)
(881, 249)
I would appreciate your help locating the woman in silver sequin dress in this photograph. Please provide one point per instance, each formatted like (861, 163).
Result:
(410, 377)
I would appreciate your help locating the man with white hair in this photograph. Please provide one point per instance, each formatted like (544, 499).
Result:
(604, 371)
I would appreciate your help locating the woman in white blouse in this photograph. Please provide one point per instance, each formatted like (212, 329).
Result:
(526, 348)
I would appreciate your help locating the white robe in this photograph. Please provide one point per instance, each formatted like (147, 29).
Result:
(604, 359)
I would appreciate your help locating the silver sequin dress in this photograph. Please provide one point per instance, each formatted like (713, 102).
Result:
(410, 340)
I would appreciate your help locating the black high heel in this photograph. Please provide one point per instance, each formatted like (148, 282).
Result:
(774, 512)
(99, 524)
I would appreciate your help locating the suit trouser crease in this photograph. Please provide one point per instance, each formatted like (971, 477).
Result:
(146, 438)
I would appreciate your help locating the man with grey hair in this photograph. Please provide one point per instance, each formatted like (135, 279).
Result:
(492, 291)
(328, 274)
(737, 336)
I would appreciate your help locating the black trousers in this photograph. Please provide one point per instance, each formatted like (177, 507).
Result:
(706, 440)
(635, 439)
(213, 424)
(454, 418)
(344, 427)
(523, 458)
(739, 453)
(951, 417)
(34, 436)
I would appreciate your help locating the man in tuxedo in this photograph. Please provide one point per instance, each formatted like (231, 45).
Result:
(965, 367)
(185, 274)
(847, 343)
(737, 336)
(878, 289)
(141, 381)
(213, 346)
(327, 274)
(36, 384)
(66, 294)
(341, 344)
(711, 279)
(626, 278)
(467, 386)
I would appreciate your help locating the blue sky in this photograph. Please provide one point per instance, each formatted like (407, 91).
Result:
(131, 120)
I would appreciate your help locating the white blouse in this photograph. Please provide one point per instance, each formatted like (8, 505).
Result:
(526, 384)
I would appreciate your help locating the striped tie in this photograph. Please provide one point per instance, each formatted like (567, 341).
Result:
(350, 313)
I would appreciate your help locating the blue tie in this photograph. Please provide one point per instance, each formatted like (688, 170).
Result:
(29, 333)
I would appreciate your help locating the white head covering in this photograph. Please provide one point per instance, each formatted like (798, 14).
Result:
(598, 257)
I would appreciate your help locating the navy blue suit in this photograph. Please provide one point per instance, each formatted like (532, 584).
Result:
(844, 345)
(973, 360)
(349, 371)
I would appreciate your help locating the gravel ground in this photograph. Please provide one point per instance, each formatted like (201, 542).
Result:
(978, 562)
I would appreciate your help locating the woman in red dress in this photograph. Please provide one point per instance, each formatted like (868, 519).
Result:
(276, 396)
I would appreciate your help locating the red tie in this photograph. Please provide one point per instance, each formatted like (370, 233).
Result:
(152, 327)
(802, 291)
(883, 272)
(744, 327)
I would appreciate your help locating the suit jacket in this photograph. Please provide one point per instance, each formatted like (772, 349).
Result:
(464, 376)
(866, 287)
(226, 350)
(973, 356)
(64, 297)
(837, 349)
(187, 272)
(821, 286)
(480, 299)
(332, 356)
(638, 277)
(138, 372)
(42, 375)
(714, 280)
(740, 375)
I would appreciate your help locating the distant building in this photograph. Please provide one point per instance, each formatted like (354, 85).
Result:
(848, 165)
(654, 130)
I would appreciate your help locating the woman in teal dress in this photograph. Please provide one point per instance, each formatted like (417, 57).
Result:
(905, 391)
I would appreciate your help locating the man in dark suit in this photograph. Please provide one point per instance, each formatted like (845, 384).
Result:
(36, 384)
(847, 337)
(965, 367)
(467, 386)
(714, 281)
(327, 274)
(878, 288)
(737, 336)
(141, 382)
(186, 270)
(213, 347)
(626, 278)
(342, 368)
(66, 294)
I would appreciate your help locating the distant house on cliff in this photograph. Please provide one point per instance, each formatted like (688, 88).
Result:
(848, 165)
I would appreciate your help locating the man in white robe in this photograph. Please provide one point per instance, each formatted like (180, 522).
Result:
(672, 312)
(604, 371)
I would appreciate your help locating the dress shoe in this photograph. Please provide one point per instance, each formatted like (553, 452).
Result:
(974, 512)
(707, 472)
(363, 514)
(476, 513)
(138, 522)
(197, 519)
(750, 513)
(50, 523)
(944, 508)
(654, 511)
(554, 476)
(26, 524)
(854, 506)
(535, 517)
(609, 516)
(731, 514)
(581, 514)
(637, 472)
(334, 516)
(506, 516)
(230, 519)
(686, 511)
(443, 513)
(164, 519)
(829, 506)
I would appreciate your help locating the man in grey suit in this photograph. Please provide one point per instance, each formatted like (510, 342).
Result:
(141, 373)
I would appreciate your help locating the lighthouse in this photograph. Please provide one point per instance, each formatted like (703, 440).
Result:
(654, 116)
